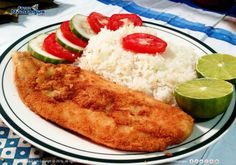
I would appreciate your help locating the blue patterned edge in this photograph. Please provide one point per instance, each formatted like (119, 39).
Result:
(230, 11)
(174, 20)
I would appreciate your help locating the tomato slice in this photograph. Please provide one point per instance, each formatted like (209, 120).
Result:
(97, 21)
(67, 33)
(118, 20)
(143, 43)
(51, 46)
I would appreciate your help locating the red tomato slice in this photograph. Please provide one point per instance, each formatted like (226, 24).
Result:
(67, 33)
(144, 43)
(97, 21)
(51, 46)
(118, 20)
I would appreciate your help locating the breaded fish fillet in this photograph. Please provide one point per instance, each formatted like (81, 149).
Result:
(105, 112)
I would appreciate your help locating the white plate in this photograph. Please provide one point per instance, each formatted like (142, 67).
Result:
(62, 143)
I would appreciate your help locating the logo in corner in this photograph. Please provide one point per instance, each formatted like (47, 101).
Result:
(28, 10)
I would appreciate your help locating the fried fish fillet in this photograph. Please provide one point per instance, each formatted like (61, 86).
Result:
(105, 112)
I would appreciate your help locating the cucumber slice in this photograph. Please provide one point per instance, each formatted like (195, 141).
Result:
(66, 43)
(36, 49)
(80, 27)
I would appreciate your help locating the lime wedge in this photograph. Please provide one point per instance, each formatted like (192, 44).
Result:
(221, 66)
(204, 98)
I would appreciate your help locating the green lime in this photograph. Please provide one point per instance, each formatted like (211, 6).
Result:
(204, 98)
(221, 66)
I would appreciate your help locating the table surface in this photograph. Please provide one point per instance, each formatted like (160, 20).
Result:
(215, 28)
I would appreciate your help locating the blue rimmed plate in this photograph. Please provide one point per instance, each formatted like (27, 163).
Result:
(65, 144)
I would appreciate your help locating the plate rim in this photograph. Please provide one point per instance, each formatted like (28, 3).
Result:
(52, 149)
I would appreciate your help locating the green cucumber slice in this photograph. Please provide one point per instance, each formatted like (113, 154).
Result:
(35, 46)
(80, 27)
(66, 43)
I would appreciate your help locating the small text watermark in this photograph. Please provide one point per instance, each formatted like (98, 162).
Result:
(28, 10)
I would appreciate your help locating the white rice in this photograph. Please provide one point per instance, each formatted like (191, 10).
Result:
(155, 75)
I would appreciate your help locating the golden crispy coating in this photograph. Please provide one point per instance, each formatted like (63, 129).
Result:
(105, 112)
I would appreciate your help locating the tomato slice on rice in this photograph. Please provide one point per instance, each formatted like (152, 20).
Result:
(97, 21)
(118, 20)
(143, 43)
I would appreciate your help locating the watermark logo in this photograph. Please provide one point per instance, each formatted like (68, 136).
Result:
(28, 10)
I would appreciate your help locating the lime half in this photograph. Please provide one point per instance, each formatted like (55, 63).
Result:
(221, 66)
(204, 98)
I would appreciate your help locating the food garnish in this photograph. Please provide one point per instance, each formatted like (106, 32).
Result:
(220, 66)
(97, 21)
(118, 20)
(67, 33)
(72, 37)
(53, 47)
(66, 43)
(204, 98)
(35, 47)
(80, 27)
(143, 43)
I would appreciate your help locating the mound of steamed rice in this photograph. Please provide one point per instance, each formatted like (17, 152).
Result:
(156, 75)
